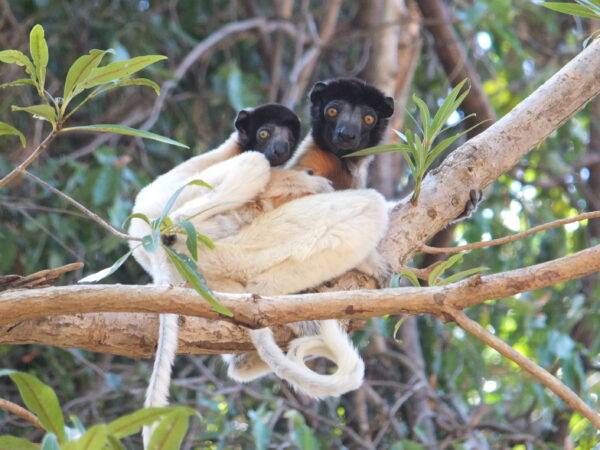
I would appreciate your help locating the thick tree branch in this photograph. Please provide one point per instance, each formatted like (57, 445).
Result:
(481, 160)
(256, 312)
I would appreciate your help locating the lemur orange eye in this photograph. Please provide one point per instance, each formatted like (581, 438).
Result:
(263, 134)
(331, 112)
(369, 119)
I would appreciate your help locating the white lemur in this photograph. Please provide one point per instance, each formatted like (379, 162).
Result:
(271, 129)
(308, 241)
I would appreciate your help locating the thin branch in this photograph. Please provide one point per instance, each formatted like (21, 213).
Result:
(538, 372)
(96, 218)
(511, 238)
(31, 158)
(21, 412)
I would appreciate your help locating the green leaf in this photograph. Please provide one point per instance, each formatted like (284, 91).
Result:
(97, 276)
(205, 240)
(16, 443)
(448, 106)
(132, 423)
(121, 129)
(44, 112)
(41, 400)
(134, 82)
(18, 58)
(79, 72)
(411, 276)
(191, 240)
(460, 275)
(425, 116)
(140, 216)
(439, 269)
(173, 198)
(20, 82)
(94, 439)
(397, 326)
(50, 442)
(573, 9)
(114, 444)
(170, 431)
(6, 129)
(120, 69)
(39, 53)
(377, 150)
(188, 270)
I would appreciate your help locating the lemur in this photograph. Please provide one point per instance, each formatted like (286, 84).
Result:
(265, 136)
(309, 240)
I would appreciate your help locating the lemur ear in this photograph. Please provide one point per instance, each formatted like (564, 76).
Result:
(318, 87)
(389, 107)
(242, 119)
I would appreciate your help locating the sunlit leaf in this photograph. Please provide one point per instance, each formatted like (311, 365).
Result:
(376, 150)
(20, 82)
(460, 275)
(170, 431)
(45, 112)
(18, 58)
(6, 129)
(134, 82)
(79, 72)
(121, 129)
(94, 439)
(133, 423)
(205, 240)
(106, 272)
(39, 53)
(411, 276)
(571, 8)
(120, 69)
(440, 268)
(16, 443)
(41, 400)
(140, 216)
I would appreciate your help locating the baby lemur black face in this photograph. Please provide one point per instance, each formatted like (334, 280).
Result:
(348, 115)
(271, 129)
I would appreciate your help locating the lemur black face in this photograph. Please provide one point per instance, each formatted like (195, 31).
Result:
(348, 115)
(271, 129)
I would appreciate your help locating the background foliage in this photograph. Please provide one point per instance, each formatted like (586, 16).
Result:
(477, 399)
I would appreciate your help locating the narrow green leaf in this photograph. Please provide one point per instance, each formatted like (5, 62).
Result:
(140, 216)
(97, 276)
(447, 108)
(94, 439)
(114, 444)
(376, 150)
(173, 198)
(41, 400)
(205, 240)
(191, 240)
(120, 129)
(187, 269)
(460, 275)
(16, 443)
(120, 69)
(50, 442)
(573, 9)
(79, 72)
(20, 82)
(425, 116)
(6, 129)
(170, 431)
(19, 58)
(400, 135)
(439, 148)
(411, 276)
(44, 112)
(439, 269)
(134, 82)
(39, 53)
(132, 423)
(200, 183)
(397, 326)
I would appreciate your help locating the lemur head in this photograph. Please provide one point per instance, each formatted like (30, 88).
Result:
(347, 115)
(271, 129)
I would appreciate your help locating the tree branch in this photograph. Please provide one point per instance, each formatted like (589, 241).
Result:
(539, 373)
(21, 412)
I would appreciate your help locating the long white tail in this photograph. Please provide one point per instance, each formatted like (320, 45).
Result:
(332, 343)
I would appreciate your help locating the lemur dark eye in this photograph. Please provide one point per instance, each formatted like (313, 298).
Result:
(263, 134)
(369, 119)
(331, 112)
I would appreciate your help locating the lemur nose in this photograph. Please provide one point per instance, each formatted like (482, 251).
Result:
(346, 134)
